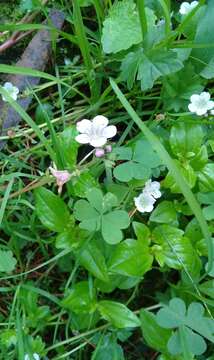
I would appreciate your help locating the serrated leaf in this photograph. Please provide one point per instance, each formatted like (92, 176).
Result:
(121, 29)
(7, 261)
(149, 66)
(51, 210)
(118, 314)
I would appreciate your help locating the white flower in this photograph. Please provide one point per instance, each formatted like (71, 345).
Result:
(200, 104)
(35, 357)
(95, 132)
(186, 7)
(11, 90)
(152, 188)
(212, 112)
(144, 202)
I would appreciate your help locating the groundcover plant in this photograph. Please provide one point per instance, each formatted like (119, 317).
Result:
(107, 181)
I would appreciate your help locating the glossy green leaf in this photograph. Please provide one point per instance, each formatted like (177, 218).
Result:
(118, 314)
(68, 147)
(206, 178)
(186, 138)
(175, 250)
(93, 260)
(165, 213)
(155, 336)
(130, 258)
(51, 210)
(80, 299)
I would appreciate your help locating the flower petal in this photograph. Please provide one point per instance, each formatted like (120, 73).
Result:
(205, 96)
(201, 111)
(84, 126)
(98, 141)
(210, 105)
(109, 131)
(192, 108)
(100, 121)
(194, 98)
(83, 139)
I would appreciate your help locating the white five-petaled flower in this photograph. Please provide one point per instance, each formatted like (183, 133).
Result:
(35, 357)
(186, 7)
(95, 132)
(145, 201)
(11, 90)
(200, 104)
(61, 176)
(152, 188)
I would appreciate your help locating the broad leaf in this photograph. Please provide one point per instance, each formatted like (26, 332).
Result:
(131, 258)
(121, 29)
(165, 212)
(80, 299)
(155, 336)
(118, 314)
(51, 210)
(149, 66)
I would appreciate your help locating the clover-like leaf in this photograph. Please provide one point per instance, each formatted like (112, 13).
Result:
(95, 214)
(112, 223)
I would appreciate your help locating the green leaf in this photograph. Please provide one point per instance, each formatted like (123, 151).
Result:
(186, 138)
(207, 288)
(175, 250)
(81, 299)
(68, 147)
(131, 170)
(121, 29)
(108, 349)
(112, 223)
(130, 258)
(174, 315)
(206, 178)
(188, 174)
(43, 110)
(142, 232)
(195, 343)
(178, 87)
(51, 210)
(165, 212)
(149, 66)
(88, 216)
(92, 259)
(155, 336)
(95, 215)
(118, 314)
(140, 166)
(82, 183)
(7, 261)
(204, 35)
(71, 239)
